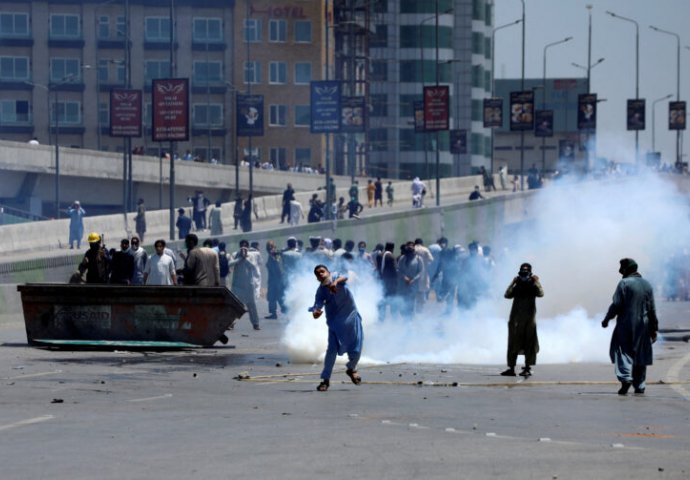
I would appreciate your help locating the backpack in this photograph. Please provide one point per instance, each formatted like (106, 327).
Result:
(224, 266)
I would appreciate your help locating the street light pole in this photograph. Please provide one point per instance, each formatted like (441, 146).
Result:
(543, 96)
(522, 88)
(656, 29)
(637, 74)
(654, 118)
(493, 78)
(438, 152)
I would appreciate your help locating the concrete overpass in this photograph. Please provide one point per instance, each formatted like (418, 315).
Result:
(27, 179)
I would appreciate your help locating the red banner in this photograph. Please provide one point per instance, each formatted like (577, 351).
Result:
(436, 108)
(125, 113)
(170, 99)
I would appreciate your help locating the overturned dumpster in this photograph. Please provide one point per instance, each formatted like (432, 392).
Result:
(156, 316)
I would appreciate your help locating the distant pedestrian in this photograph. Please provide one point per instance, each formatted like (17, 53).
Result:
(371, 190)
(215, 219)
(275, 293)
(296, 212)
(183, 224)
(199, 208)
(354, 190)
(503, 176)
(354, 208)
(522, 325)
(476, 194)
(140, 220)
(244, 274)
(636, 327)
(237, 211)
(246, 217)
(140, 259)
(390, 191)
(76, 224)
(378, 192)
(96, 261)
(287, 197)
(122, 265)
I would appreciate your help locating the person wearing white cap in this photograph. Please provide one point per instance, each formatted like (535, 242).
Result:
(76, 224)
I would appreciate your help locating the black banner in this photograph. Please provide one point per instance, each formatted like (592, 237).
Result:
(676, 115)
(458, 142)
(522, 110)
(493, 112)
(352, 116)
(543, 123)
(587, 111)
(636, 114)
(249, 118)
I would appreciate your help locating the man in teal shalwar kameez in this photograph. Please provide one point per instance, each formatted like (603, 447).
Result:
(636, 327)
(344, 324)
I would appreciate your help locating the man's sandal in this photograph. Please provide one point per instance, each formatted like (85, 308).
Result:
(323, 386)
(356, 379)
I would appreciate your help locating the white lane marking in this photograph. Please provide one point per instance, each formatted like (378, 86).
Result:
(31, 375)
(28, 421)
(673, 374)
(148, 399)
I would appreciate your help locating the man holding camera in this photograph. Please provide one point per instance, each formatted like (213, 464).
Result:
(245, 271)
(522, 325)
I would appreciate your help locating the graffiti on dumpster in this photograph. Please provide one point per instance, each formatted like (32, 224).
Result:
(156, 317)
(92, 316)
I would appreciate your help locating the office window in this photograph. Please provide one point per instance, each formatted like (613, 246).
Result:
(380, 38)
(14, 24)
(207, 115)
(302, 73)
(103, 27)
(157, 29)
(477, 43)
(477, 110)
(252, 30)
(379, 105)
(277, 115)
(487, 47)
(477, 76)
(14, 111)
(14, 68)
(379, 71)
(207, 72)
(303, 31)
(277, 72)
(68, 112)
(148, 114)
(277, 31)
(156, 69)
(477, 144)
(105, 69)
(64, 26)
(208, 30)
(478, 9)
(424, 6)
(278, 157)
(302, 115)
(252, 72)
(104, 114)
(302, 156)
(62, 69)
(120, 27)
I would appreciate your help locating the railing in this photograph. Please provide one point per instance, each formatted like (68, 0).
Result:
(10, 216)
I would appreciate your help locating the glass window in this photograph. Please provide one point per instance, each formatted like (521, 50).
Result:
(69, 113)
(487, 146)
(157, 29)
(207, 72)
(477, 144)
(489, 14)
(477, 43)
(303, 31)
(103, 71)
(120, 27)
(302, 115)
(156, 69)
(62, 69)
(478, 9)
(380, 38)
(277, 115)
(14, 68)
(302, 73)
(477, 76)
(207, 30)
(148, 114)
(207, 115)
(477, 107)
(252, 30)
(378, 139)
(278, 157)
(64, 26)
(252, 72)
(104, 114)
(302, 156)
(277, 72)
(103, 27)
(379, 105)
(487, 47)
(277, 31)
(487, 80)
(14, 24)
(414, 36)
(379, 71)
(424, 6)
(14, 111)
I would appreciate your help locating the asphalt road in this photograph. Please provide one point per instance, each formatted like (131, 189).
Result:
(183, 414)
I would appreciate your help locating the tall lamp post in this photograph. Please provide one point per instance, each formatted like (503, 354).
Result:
(637, 73)
(493, 77)
(543, 97)
(522, 88)
(654, 118)
(656, 29)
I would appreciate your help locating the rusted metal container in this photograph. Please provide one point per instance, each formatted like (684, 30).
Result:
(165, 316)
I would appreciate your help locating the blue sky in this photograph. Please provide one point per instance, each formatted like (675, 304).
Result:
(614, 79)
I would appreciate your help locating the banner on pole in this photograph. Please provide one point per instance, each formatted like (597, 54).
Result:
(676, 115)
(249, 116)
(125, 113)
(522, 110)
(170, 101)
(493, 112)
(636, 114)
(543, 123)
(436, 111)
(326, 106)
(587, 111)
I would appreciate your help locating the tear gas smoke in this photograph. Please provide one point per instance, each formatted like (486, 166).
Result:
(574, 241)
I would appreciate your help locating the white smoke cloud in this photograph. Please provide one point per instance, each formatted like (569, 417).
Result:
(578, 234)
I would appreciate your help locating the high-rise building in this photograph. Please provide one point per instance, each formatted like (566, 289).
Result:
(406, 57)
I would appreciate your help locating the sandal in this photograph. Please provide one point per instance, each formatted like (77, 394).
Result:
(323, 386)
(356, 379)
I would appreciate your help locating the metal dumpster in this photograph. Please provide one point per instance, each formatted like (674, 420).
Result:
(157, 316)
